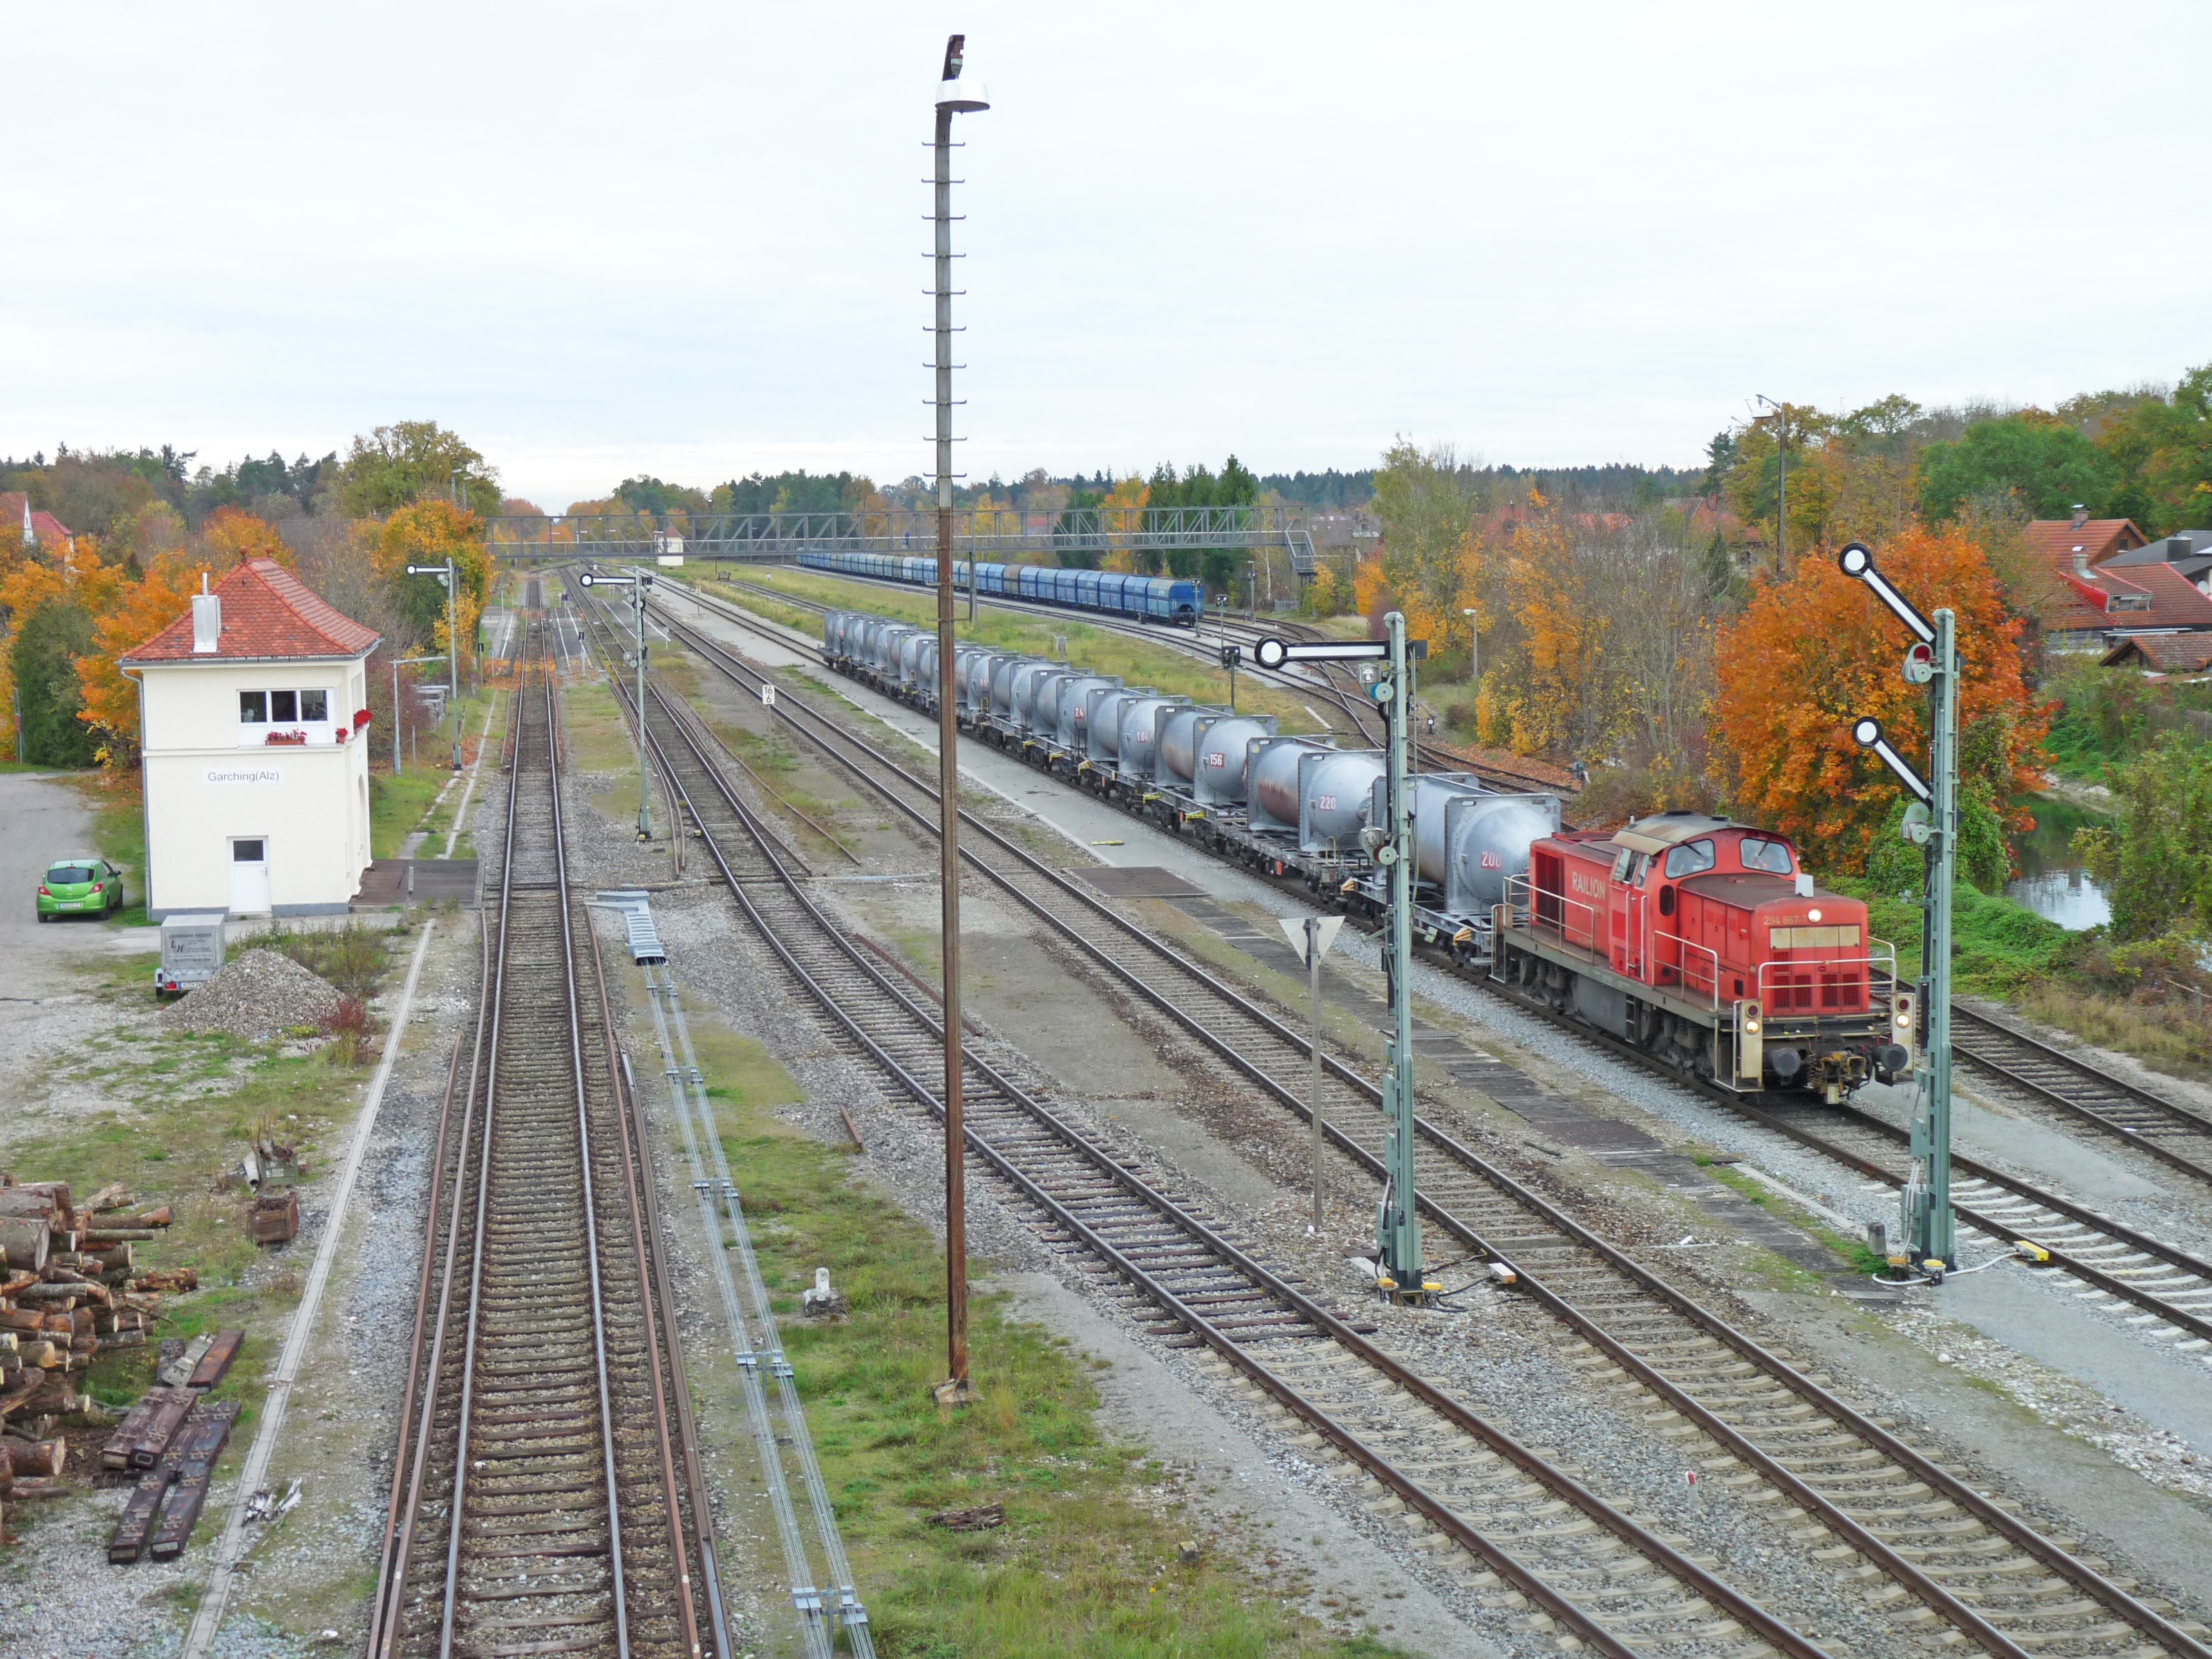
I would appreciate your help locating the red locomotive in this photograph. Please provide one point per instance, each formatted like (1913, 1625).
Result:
(1703, 944)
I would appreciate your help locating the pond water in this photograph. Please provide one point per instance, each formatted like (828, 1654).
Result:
(2051, 881)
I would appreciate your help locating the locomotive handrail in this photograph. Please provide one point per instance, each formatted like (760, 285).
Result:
(1680, 968)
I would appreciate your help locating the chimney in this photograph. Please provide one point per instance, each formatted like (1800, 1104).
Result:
(2081, 562)
(2081, 516)
(30, 531)
(2179, 547)
(207, 620)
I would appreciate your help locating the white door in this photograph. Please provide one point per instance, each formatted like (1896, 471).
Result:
(249, 877)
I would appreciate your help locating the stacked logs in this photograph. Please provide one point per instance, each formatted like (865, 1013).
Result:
(68, 1289)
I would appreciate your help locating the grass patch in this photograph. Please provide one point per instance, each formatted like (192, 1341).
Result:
(599, 738)
(1851, 1252)
(1100, 650)
(1082, 1566)
(397, 802)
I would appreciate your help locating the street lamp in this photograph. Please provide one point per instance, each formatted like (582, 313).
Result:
(639, 582)
(444, 572)
(1474, 648)
(955, 96)
(1782, 503)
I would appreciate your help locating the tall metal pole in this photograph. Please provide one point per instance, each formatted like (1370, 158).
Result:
(952, 98)
(454, 654)
(1936, 1238)
(1313, 1078)
(1399, 1222)
(644, 805)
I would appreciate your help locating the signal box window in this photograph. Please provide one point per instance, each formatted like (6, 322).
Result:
(1689, 858)
(1772, 856)
(253, 708)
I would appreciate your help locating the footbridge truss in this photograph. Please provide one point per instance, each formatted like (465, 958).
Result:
(1004, 535)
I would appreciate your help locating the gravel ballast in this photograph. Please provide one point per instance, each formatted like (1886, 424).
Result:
(260, 996)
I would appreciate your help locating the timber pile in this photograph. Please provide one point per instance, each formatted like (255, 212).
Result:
(68, 1289)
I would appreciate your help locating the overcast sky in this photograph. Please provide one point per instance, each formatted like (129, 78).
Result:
(687, 238)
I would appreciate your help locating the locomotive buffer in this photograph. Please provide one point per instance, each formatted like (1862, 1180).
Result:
(1932, 823)
(1398, 1221)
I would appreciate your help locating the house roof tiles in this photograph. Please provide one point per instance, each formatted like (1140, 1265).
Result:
(2163, 653)
(268, 614)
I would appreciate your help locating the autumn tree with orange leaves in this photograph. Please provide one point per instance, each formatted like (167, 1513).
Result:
(1810, 655)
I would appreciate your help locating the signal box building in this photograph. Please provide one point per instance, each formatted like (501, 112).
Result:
(253, 712)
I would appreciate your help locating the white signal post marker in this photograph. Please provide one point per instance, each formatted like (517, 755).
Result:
(1310, 937)
(1272, 652)
(767, 695)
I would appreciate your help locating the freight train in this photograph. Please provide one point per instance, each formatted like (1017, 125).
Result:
(1170, 599)
(1699, 942)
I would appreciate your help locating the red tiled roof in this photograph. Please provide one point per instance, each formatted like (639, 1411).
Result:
(2165, 653)
(267, 612)
(49, 529)
(2057, 539)
(2175, 601)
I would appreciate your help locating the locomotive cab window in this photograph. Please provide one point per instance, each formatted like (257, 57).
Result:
(1689, 858)
(1772, 856)
(1620, 865)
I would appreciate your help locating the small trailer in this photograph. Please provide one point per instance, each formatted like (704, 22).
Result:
(192, 950)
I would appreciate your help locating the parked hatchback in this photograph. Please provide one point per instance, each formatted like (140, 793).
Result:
(79, 884)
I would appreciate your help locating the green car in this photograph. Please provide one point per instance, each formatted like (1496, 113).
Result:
(80, 884)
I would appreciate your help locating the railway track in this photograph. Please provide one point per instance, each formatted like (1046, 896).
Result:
(2084, 1092)
(547, 1494)
(1861, 1491)
(2169, 1288)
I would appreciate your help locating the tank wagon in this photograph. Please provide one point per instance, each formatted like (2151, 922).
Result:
(1287, 806)
(1704, 943)
(1168, 599)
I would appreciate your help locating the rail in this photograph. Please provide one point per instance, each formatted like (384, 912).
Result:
(835, 741)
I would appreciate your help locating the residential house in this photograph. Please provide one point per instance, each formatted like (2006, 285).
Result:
(40, 528)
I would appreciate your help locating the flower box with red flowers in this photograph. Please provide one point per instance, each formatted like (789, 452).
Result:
(283, 739)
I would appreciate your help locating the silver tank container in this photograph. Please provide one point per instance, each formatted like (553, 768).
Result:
(1075, 709)
(1219, 778)
(1015, 705)
(1178, 742)
(1334, 793)
(1271, 781)
(1102, 718)
(1471, 840)
(1041, 718)
(1136, 747)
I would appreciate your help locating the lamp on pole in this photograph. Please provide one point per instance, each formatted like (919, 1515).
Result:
(639, 582)
(955, 96)
(1781, 488)
(1474, 648)
(444, 572)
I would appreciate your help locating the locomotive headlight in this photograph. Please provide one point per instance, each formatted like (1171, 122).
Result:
(1812, 915)
(1751, 1027)
(1904, 1020)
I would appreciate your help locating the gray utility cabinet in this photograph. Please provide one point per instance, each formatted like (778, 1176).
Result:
(191, 949)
